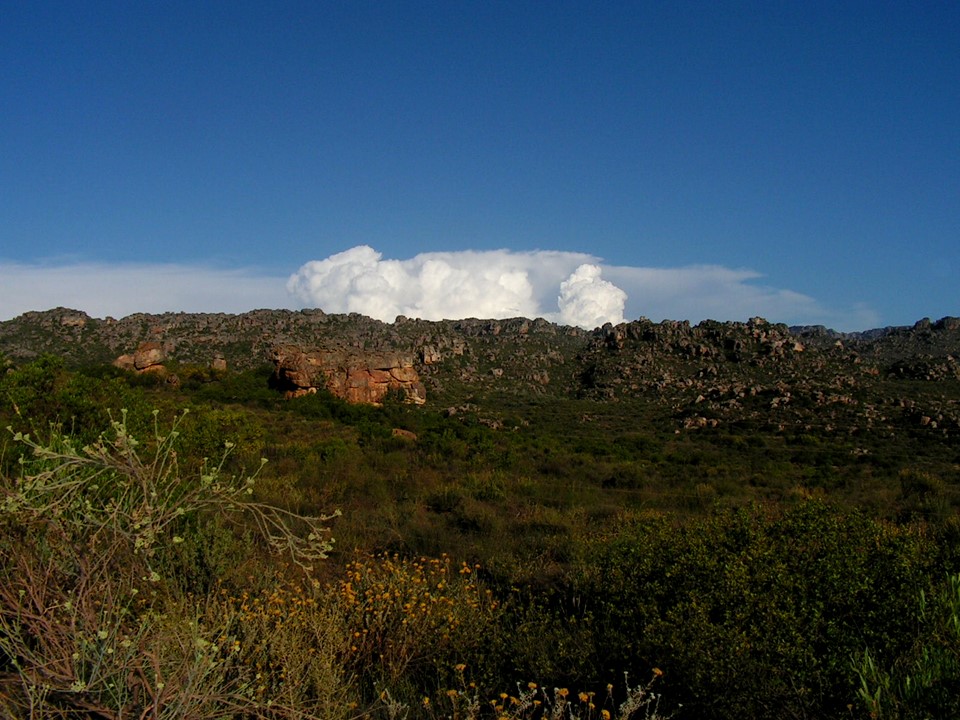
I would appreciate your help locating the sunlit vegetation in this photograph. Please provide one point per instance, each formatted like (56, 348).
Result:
(173, 551)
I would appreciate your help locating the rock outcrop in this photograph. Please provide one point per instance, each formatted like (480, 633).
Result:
(354, 377)
(148, 357)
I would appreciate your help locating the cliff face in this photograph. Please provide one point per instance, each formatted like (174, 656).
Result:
(355, 377)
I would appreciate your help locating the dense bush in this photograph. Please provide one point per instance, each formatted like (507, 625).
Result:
(755, 613)
(39, 394)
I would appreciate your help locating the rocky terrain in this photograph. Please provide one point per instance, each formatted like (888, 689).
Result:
(704, 376)
(779, 377)
(357, 377)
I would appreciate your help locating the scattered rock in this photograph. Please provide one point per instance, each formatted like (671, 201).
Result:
(727, 371)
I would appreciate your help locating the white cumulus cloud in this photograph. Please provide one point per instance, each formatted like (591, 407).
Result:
(590, 301)
(454, 285)
(564, 287)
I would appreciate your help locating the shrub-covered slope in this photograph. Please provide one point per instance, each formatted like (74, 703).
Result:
(763, 520)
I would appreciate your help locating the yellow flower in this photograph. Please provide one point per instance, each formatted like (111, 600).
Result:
(605, 714)
(657, 672)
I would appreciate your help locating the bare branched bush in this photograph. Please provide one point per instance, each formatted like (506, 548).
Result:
(88, 626)
(108, 487)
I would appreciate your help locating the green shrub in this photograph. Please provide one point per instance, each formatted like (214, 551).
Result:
(923, 495)
(44, 393)
(924, 682)
(753, 613)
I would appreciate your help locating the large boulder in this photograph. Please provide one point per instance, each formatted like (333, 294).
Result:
(148, 357)
(354, 376)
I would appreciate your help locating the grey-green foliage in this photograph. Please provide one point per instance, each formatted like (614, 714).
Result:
(90, 624)
(925, 685)
(109, 485)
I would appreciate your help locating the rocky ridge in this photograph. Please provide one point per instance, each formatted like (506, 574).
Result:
(772, 376)
(705, 375)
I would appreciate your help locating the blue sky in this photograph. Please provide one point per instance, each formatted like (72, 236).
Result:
(795, 160)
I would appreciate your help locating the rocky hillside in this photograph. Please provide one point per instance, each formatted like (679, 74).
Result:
(478, 353)
(704, 375)
(777, 377)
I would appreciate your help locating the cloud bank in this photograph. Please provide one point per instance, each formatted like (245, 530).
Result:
(454, 285)
(117, 290)
(564, 287)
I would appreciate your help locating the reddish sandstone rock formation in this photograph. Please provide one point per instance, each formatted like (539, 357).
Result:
(148, 357)
(355, 377)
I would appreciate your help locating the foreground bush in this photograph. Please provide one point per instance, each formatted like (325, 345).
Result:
(136, 582)
(925, 681)
(89, 625)
(115, 602)
(413, 621)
